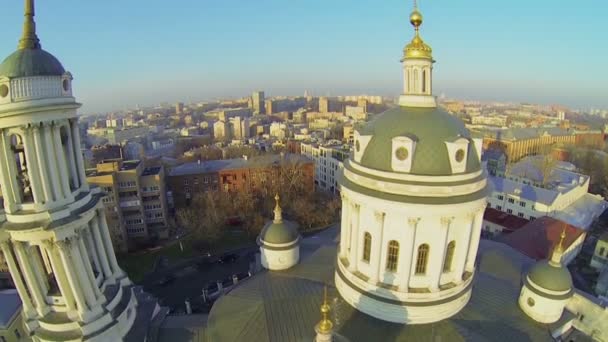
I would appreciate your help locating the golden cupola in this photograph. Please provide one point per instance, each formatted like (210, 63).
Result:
(417, 48)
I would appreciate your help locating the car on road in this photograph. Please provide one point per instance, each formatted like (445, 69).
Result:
(228, 258)
(166, 280)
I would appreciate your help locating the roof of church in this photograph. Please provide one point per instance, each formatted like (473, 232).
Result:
(284, 306)
(430, 128)
(31, 62)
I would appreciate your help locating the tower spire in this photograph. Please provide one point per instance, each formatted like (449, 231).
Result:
(325, 327)
(29, 39)
(558, 251)
(278, 213)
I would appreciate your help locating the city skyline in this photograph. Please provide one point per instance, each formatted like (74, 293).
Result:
(194, 51)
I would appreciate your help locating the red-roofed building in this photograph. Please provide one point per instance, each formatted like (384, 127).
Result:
(538, 238)
(496, 222)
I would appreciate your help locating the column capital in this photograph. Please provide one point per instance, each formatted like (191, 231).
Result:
(379, 215)
(446, 221)
(5, 244)
(413, 221)
(64, 245)
(355, 205)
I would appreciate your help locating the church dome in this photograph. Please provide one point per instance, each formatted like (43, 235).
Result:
(31, 62)
(551, 277)
(279, 232)
(429, 128)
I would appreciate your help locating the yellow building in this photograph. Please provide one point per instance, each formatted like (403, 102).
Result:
(136, 204)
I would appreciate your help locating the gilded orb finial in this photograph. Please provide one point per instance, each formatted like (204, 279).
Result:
(326, 325)
(29, 39)
(417, 48)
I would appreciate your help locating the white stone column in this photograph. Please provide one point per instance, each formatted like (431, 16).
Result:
(88, 267)
(31, 280)
(40, 273)
(79, 160)
(408, 256)
(344, 228)
(354, 246)
(33, 170)
(377, 245)
(437, 256)
(62, 163)
(43, 165)
(13, 191)
(60, 275)
(462, 251)
(101, 251)
(105, 233)
(28, 307)
(72, 158)
(79, 297)
(475, 237)
(9, 201)
(52, 161)
(81, 273)
(90, 246)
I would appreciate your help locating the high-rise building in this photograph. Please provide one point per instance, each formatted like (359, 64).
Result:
(136, 203)
(53, 229)
(179, 108)
(324, 105)
(259, 102)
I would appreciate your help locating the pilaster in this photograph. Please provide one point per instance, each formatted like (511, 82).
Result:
(60, 275)
(62, 164)
(408, 255)
(354, 246)
(43, 165)
(52, 161)
(378, 245)
(28, 307)
(79, 160)
(33, 170)
(64, 249)
(31, 280)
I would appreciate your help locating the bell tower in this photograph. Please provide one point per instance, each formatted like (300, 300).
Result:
(417, 64)
(53, 230)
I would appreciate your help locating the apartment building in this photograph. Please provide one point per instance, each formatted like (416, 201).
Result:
(136, 202)
(328, 160)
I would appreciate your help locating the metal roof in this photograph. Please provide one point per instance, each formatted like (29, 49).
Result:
(284, 306)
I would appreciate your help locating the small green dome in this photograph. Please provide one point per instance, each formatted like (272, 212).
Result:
(553, 278)
(279, 232)
(430, 128)
(31, 62)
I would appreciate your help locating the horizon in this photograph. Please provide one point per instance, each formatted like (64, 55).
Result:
(216, 50)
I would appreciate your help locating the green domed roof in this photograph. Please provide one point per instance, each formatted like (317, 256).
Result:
(280, 232)
(31, 62)
(550, 277)
(430, 128)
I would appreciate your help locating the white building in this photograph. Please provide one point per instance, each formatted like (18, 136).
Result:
(221, 130)
(563, 195)
(278, 130)
(328, 163)
(53, 230)
(413, 198)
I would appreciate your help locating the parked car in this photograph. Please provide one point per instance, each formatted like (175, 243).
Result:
(228, 258)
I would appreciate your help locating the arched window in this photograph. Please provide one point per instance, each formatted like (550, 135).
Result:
(392, 256)
(23, 181)
(367, 246)
(424, 81)
(422, 260)
(449, 256)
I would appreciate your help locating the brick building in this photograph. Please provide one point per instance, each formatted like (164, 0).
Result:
(190, 179)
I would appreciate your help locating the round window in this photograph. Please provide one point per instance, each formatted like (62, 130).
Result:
(460, 155)
(402, 153)
(358, 146)
(531, 301)
(3, 90)
(66, 85)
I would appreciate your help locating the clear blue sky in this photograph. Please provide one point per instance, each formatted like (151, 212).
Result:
(146, 51)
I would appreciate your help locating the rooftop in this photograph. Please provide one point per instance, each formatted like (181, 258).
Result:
(510, 222)
(284, 306)
(213, 166)
(10, 305)
(149, 171)
(537, 238)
